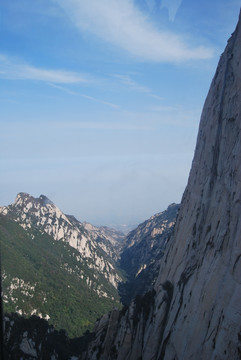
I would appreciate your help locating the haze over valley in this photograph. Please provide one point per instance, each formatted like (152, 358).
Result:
(118, 240)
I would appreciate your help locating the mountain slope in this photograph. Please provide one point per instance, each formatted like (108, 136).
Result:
(142, 251)
(95, 247)
(194, 311)
(56, 267)
(48, 278)
(48, 245)
(110, 240)
(43, 277)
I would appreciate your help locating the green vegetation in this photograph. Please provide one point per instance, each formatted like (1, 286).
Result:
(48, 277)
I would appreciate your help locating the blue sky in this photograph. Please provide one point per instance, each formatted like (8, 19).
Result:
(100, 100)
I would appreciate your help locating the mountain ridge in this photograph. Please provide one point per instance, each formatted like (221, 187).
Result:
(81, 261)
(142, 251)
(30, 224)
(193, 311)
(44, 277)
(46, 216)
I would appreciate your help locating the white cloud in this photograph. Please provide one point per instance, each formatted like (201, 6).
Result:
(12, 69)
(70, 92)
(124, 25)
(133, 85)
(129, 82)
(164, 108)
(172, 7)
(101, 125)
(100, 101)
(157, 97)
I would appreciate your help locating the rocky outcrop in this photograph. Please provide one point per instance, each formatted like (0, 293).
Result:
(143, 248)
(95, 245)
(196, 311)
(142, 244)
(48, 278)
(110, 240)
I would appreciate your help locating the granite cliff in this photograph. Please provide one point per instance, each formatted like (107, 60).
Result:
(194, 311)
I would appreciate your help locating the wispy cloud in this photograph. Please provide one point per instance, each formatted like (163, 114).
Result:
(129, 82)
(70, 92)
(135, 86)
(17, 70)
(94, 125)
(172, 7)
(157, 97)
(91, 98)
(100, 101)
(164, 108)
(125, 26)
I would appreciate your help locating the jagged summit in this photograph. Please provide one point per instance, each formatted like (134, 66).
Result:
(23, 195)
(43, 214)
(45, 200)
(24, 198)
(43, 264)
(194, 310)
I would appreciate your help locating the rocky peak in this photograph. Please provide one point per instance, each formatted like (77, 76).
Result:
(43, 214)
(27, 205)
(24, 198)
(45, 200)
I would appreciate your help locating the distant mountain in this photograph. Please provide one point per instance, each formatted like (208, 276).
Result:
(142, 251)
(68, 272)
(193, 311)
(109, 239)
(55, 267)
(125, 228)
(95, 245)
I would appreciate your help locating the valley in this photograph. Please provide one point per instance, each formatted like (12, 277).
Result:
(170, 289)
(71, 273)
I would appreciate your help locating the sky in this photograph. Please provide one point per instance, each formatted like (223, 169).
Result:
(100, 100)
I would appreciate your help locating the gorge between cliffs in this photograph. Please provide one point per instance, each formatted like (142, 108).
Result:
(193, 310)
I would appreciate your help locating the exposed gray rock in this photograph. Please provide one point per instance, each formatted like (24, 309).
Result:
(96, 246)
(196, 312)
(142, 251)
(143, 244)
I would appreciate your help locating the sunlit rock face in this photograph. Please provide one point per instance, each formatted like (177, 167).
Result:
(97, 246)
(143, 243)
(195, 312)
(142, 252)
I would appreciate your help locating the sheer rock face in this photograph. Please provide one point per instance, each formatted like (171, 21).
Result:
(196, 312)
